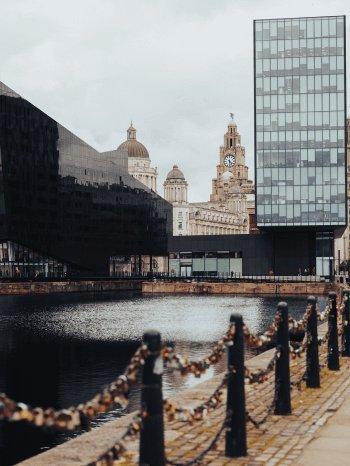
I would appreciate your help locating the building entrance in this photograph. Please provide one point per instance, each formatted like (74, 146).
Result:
(186, 270)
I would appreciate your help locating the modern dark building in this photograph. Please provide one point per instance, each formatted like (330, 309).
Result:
(300, 130)
(231, 255)
(65, 207)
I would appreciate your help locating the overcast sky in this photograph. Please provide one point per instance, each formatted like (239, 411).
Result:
(177, 68)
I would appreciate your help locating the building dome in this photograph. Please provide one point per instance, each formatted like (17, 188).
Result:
(133, 147)
(175, 174)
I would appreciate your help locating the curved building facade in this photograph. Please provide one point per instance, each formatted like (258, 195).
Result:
(63, 204)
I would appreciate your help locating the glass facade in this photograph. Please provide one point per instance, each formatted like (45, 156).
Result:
(67, 201)
(223, 264)
(300, 111)
(17, 261)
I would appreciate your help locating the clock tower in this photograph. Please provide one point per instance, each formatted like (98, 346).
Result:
(231, 170)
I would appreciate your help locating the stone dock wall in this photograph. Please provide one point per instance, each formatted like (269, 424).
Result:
(30, 288)
(240, 288)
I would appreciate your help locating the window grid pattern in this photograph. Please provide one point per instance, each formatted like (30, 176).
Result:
(300, 121)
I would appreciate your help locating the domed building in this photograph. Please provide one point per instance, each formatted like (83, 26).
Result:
(139, 162)
(175, 192)
(175, 186)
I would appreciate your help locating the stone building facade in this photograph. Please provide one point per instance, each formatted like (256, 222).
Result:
(227, 212)
(175, 192)
(231, 170)
(139, 162)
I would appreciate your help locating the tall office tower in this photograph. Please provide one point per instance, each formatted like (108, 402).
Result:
(300, 139)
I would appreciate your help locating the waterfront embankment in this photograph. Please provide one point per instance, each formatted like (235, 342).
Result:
(280, 441)
(240, 288)
(248, 288)
(67, 286)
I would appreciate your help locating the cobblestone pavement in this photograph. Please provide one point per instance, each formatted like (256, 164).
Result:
(280, 440)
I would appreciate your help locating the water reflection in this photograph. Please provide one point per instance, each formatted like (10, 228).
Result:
(59, 350)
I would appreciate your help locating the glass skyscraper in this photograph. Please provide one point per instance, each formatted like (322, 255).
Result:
(300, 114)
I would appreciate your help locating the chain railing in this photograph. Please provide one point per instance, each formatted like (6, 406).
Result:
(174, 413)
(291, 339)
(78, 417)
(184, 365)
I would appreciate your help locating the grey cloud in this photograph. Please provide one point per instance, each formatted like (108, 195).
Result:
(176, 67)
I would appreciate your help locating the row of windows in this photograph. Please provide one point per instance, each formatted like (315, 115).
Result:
(315, 190)
(208, 255)
(301, 195)
(299, 28)
(293, 159)
(311, 136)
(303, 209)
(281, 49)
(301, 175)
(284, 44)
(300, 103)
(299, 84)
(301, 120)
(302, 66)
(303, 145)
(292, 214)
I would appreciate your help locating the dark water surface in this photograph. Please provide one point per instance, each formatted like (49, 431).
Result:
(59, 350)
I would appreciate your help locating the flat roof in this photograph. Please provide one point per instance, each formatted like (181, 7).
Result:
(300, 17)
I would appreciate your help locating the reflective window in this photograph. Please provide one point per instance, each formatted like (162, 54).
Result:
(63, 198)
(300, 121)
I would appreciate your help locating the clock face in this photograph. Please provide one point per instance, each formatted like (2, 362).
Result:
(229, 160)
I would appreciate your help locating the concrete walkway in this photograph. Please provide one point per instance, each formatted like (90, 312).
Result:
(331, 444)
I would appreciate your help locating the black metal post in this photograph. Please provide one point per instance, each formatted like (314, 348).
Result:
(282, 373)
(312, 361)
(152, 432)
(236, 436)
(346, 323)
(333, 347)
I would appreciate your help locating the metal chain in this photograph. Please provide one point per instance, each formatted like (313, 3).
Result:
(260, 422)
(296, 349)
(261, 375)
(324, 339)
(299, 325)
(118, 449)
(173, 412)
(184, 365)
(322, 316)
(115, 394)
(297, 383)
(201, 455)
(259, 341)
